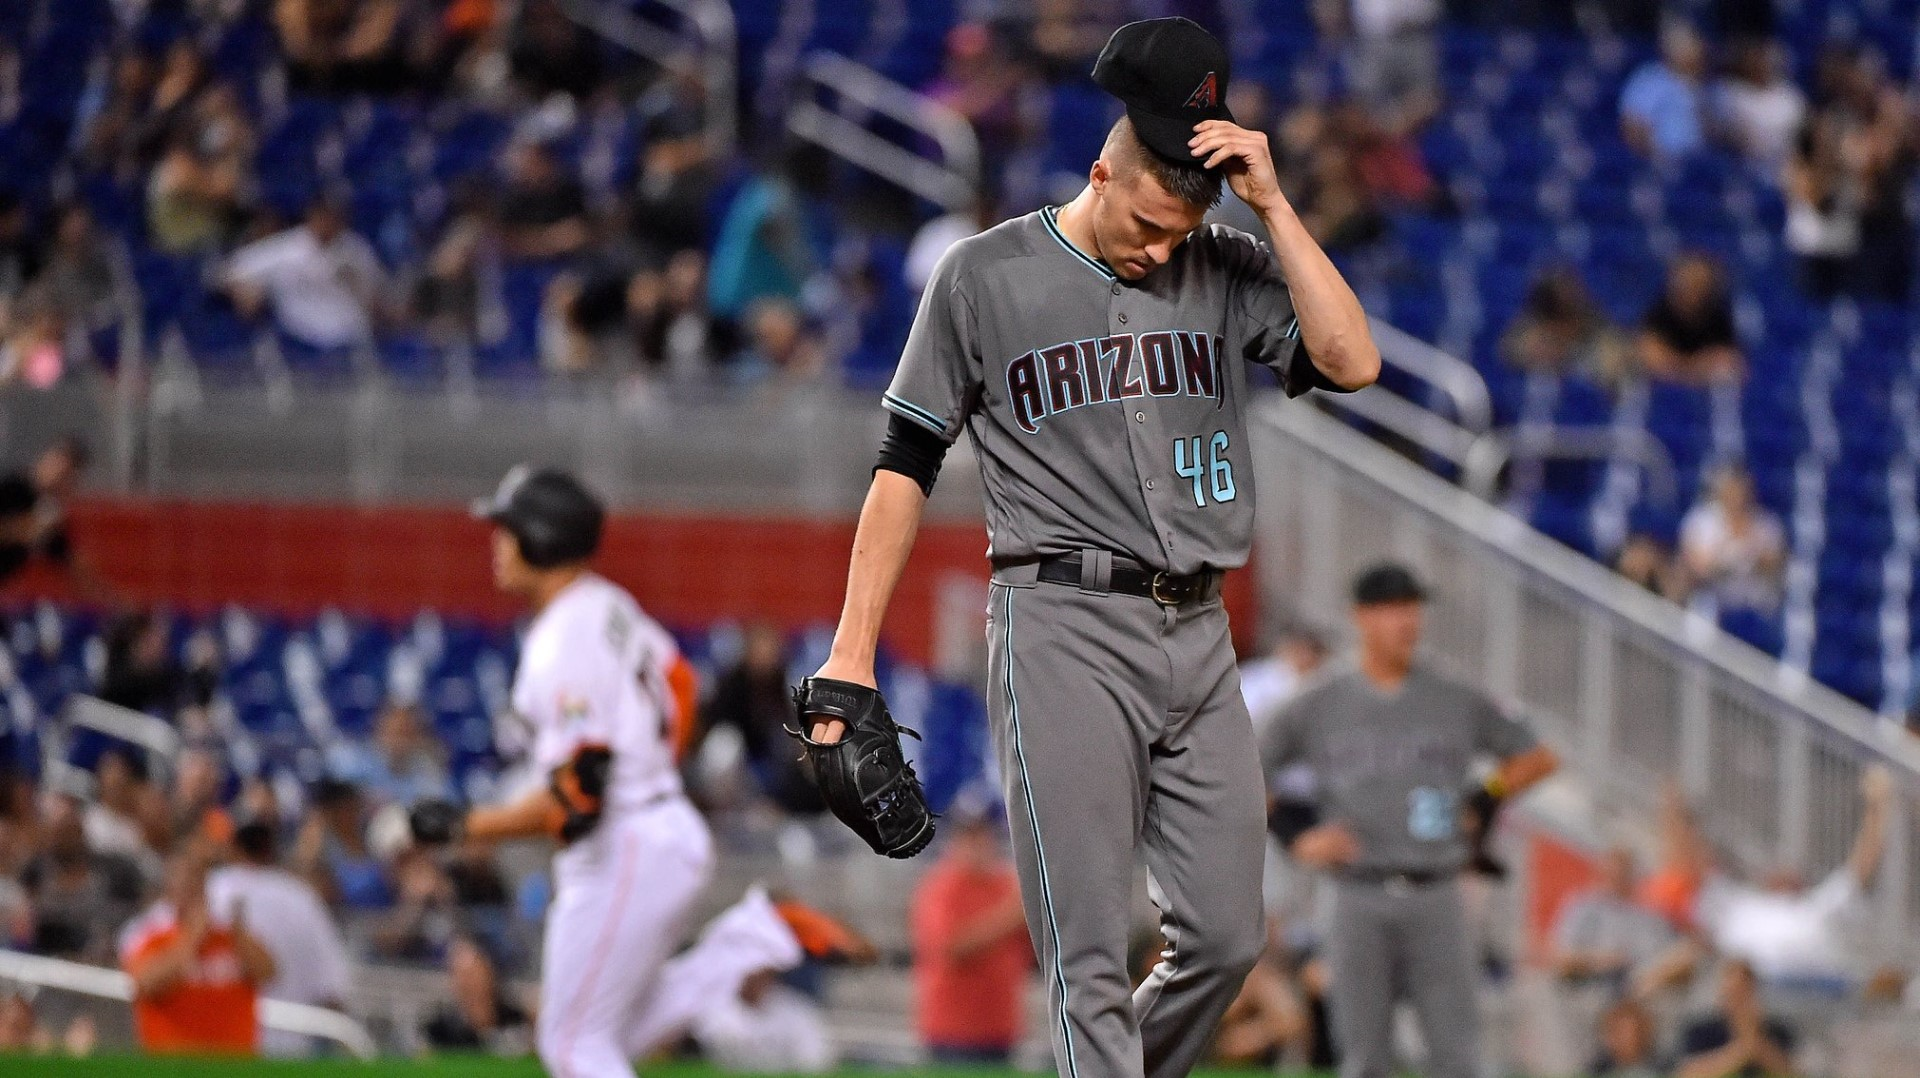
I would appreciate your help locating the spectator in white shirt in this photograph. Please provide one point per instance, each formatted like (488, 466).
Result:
(1269, 681)
(1604, 935)
(1760, 110)
(112, 821)
(1799, 937)
(323, 283)
(1732, 548)
(309, 955)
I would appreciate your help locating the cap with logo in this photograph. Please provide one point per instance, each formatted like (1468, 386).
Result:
(1171, 74)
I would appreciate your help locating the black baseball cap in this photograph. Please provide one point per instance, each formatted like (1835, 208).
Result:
(1387, 582)
(554, 516)
(1171, 74)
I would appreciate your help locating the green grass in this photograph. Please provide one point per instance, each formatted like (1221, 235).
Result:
(439, 1067)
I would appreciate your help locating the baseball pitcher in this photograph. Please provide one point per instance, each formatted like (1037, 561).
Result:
(1098, 353)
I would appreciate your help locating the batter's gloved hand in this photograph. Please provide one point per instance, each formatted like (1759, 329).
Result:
(864, 777)
(436, 822)
(1482, 805)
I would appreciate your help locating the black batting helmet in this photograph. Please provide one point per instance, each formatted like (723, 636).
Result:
(554, 518)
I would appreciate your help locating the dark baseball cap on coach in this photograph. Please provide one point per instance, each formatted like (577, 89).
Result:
(1171, 74)
(1387, 582)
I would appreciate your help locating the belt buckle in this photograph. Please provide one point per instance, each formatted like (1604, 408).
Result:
(1398, 885)
(1155, 589)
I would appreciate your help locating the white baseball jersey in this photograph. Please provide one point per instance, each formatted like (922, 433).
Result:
(593, 672)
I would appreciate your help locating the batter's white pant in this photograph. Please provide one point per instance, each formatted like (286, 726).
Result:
(609, 992)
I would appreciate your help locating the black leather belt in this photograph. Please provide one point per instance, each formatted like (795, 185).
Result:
(1130, 578)
(1389, 878)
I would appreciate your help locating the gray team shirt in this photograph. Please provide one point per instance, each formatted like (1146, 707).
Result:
(1393, 768)
(1105, 414)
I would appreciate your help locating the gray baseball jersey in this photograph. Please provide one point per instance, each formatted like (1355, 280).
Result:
(1392, 768)
(1106, 414)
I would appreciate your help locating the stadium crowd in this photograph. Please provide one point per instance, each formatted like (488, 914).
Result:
(676, 266)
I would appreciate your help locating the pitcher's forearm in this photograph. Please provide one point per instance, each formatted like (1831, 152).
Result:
(888, 523)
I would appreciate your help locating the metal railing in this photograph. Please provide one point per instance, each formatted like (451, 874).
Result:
(1489, 455)
(1630, 688)
(111, 984)
(853, 94)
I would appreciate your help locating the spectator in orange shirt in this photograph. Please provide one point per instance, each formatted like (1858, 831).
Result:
(1672, 888)
(195, 983)
(970, 948)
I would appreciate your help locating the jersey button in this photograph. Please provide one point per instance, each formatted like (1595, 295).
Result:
(1139, 417)
(1116, 288)
(1149, 484)
(1123, 318)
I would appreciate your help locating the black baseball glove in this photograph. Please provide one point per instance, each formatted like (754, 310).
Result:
(1481, 806)
(863, 777)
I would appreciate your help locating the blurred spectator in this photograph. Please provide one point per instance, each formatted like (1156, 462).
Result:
(85, 274)
(1262, 1023)
(1561, 330)
(1739, 1038)
(1604, 934)
(142, 674)
(1687, 336)
(79, 896)
(33, 515)
(193, 199)
(675, 186)
(424, 920)
(766, 1028)
(1662, 107)
(1733, 550)
(1395, 58)
(404, 763)
(113, 821)
(677, 338)
(331, 852)
(970, 948)
(1823, 208)
(322, 282)
(762, 250)
(1881, 145)
(309, 957)
(342, 46)
(1268, 681)
(21, 253)
(34, 352)
(1673, 886)
(1387, 161)
(109, 120)
(195, 807)
(780, 345)
(543, 211)
(1627, 1043)
(1647, 561)
(459, 285)
(20, 1030)
(753, 697)
(982, 80)
(1066, 35)
(931, 241)
(1795, 936)
(482, 1017)
(195, 979)
(552, 54)
(1320, 174)
(1757, 108)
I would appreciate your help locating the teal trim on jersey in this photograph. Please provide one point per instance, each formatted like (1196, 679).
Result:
(1293, 330)
(1047, 215)
(911, 411)
(1039, 852)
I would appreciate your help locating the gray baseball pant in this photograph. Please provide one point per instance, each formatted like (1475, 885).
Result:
(1402, 941)
(1120, 727)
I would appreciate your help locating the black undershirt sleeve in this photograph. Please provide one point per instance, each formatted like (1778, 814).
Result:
(913, 451)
